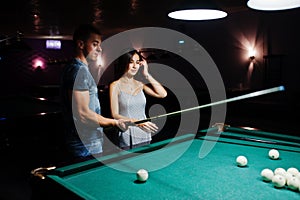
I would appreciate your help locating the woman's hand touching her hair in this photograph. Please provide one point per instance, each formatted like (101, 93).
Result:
(145, 69)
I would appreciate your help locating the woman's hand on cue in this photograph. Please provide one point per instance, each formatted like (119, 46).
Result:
(149, 127)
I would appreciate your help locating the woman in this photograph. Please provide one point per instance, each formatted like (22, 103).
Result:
(128, 101)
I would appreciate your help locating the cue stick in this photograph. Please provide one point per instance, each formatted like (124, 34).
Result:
(253, 94)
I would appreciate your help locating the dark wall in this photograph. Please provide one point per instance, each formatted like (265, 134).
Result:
(17, 71)
(274, 35)
(271, 33)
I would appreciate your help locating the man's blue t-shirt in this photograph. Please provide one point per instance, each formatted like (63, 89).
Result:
(82, 139)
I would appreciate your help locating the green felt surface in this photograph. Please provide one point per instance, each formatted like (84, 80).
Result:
(186, 176)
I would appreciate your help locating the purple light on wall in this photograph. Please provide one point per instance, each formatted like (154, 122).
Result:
(53, 44)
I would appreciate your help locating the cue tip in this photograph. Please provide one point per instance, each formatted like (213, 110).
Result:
(281, 88)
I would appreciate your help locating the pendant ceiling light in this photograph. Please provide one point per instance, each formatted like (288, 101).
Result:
(196, 10)
(273, 5)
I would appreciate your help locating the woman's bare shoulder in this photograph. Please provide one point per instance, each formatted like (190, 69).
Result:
(114, 83)
(138, 83)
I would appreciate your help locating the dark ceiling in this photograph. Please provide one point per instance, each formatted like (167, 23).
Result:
(56, 17)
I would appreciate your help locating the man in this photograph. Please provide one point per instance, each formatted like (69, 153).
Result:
(81, 107)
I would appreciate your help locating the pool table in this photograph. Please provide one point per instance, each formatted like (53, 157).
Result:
(179, 170)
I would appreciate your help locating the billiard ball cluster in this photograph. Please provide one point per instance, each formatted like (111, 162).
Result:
(281, 177)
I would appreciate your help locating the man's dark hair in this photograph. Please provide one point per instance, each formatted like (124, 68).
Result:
(84, 31)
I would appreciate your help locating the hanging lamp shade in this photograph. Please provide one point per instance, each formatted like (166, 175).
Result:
(273, 5)
(196, 10)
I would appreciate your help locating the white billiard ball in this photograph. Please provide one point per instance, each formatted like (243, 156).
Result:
(274, 154)
(288, 175)
(267, 174)
(294, 171)
(280, 171)
(142, 175)
(293, 183)
(278, 181)
(241, 161)
(298, 176)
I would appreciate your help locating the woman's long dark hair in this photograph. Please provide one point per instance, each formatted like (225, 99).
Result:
(123, 62)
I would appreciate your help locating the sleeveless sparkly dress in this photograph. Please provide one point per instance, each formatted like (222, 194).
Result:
(133, 106)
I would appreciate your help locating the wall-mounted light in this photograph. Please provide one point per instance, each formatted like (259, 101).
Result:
(196, 10)
(273, 5)
(38, 64)
(251, 53)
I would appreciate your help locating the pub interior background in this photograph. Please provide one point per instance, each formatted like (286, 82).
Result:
(30, 117)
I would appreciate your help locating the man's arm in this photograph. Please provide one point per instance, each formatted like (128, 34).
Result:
(85, 114)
